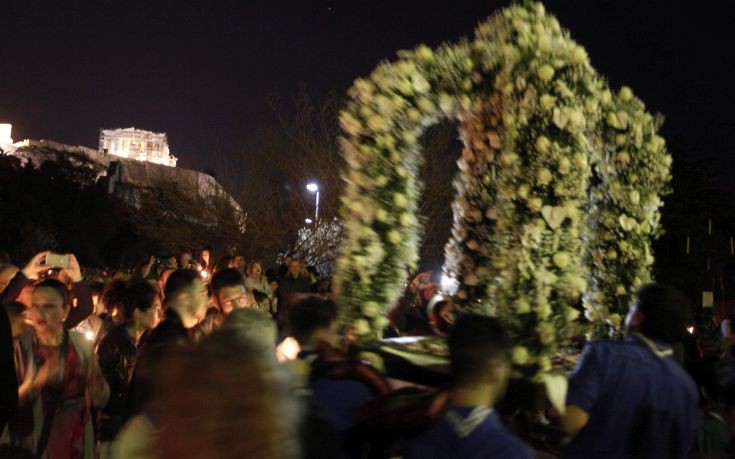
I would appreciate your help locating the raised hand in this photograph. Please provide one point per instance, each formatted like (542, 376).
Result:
(36, 265)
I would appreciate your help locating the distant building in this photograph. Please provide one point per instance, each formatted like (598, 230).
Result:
(5, 132)
(138, 144)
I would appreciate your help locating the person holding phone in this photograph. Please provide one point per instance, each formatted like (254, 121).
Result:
(60, 379)
(43, 262)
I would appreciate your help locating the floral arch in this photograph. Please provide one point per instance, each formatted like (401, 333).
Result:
(558, 191)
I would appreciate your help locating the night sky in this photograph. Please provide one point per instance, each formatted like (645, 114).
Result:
(200, 71)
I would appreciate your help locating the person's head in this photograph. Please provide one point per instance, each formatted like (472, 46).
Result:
(254, 324)
(184, 259)
(169, 261)
(255, 269)
(208, 395)
(205, 256)
(727, 328)
(49, 307)
(312, 320)
(186, 294)
(658, 312)
(240, 263)
(229, 292)
(224, 263)
(16, 313)
(294, 268)
(479, 353)
(112, 300)
(141, 305)
(441, 314)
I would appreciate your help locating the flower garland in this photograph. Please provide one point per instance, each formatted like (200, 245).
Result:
(547, 101)
(632, 173)
(382, 125)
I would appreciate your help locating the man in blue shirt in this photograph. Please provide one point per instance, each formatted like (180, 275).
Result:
(631, 399)
(470, 428)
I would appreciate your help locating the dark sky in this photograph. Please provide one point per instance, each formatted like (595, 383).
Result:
(200, 70)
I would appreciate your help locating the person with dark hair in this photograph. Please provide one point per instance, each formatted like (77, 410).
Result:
(293, 282)
(60, 377)
(469, 427)
(229, 291)
(140, 305)
(225, 398)
(257, 283)
(339, 383)
(631, 398)
(185, 298)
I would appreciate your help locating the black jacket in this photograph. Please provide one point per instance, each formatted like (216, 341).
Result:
(117, 355)
(169, 334)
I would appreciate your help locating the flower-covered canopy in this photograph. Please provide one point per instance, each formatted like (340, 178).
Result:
(558, 190)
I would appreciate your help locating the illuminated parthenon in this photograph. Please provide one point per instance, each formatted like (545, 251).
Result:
(137, 144)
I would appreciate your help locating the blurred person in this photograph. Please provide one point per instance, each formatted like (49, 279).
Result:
(81, 304)
(631, 398)
(257, 283)
(5, 259)
(293, 282)
(254, 324)
(205, 259)
(8, 381)
(60, 378)
(339, 383)
(479, 351)
(410, 316)
(226, 262)
(19, 323)
(240, 264)
(185, 299)
(441, 314)
(225, 398)
(229, 291)
(186, 261)
(162, 283)
(118, 351)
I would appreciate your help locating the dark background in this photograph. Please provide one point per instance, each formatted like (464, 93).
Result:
(200, 71)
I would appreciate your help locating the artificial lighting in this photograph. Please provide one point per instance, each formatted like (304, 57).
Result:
(288, 349)
(204, 274)
(308, 221)
(312, 187)
(89, 334)
(690, 330)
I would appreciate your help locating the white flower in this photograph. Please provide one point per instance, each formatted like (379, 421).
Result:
(635, 197)
(394, 237)
(381, 180)
(623, 157)
(625, 93)
(546, 73)
(571, 314)
(399, 199)
(520, 355)
(381, 215)
(362, 327)
(620, 289)
(523, 191)
(543, 177)
(472, 245)
(508, 158)
(419, 83)
(543, 144)
(579, 55)
(546, 332)
(547, 101)
(406, 219)
(615, 320)
(370, 309)
(564, 166)
(522, 306)
(561, 259)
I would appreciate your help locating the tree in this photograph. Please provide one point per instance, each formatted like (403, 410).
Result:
(298, 146)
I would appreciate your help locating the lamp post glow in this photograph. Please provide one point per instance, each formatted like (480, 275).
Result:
(308, 221)
(314, 188)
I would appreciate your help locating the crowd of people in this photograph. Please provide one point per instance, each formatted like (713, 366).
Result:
(183, 357)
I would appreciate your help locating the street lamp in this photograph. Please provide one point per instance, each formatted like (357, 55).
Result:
(314, 188)
(308, 221)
